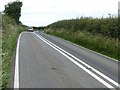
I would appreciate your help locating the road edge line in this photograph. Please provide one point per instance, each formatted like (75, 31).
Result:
(16, 72)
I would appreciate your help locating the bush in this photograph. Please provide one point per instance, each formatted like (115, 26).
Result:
(105, 26)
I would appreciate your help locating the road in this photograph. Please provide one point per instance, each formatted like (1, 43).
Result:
(45, 61)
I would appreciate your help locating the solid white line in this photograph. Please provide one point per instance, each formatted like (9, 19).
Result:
(91, 51)
(98, 72)
(78, 64)
(16, 75)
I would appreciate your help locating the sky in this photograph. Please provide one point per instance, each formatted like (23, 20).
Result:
(45, 12)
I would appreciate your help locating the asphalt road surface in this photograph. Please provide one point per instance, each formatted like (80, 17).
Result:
(45, 61)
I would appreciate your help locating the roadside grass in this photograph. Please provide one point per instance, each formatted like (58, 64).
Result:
(99, 43)
(0, 50)
(10, 34)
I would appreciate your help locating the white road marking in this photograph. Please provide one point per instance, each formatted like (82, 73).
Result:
(93, 69)
(16, 75)
(92, 51)
(78, 64)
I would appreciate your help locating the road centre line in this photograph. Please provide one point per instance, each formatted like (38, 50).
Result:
(16, 75)
(75, 62)
(93, 69)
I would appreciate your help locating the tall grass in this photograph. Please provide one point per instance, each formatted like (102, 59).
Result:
(105, 45)
(105, 26)
(98, 34)
(10, 34)
(0, 50)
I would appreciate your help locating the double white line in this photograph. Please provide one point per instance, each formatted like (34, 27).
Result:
(68, 55)
(72, 58)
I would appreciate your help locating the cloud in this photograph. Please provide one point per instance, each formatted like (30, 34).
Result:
(44, 12)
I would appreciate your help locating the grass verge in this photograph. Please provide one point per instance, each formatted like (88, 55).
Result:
(0, 50)
(10, 34)
(99, 43)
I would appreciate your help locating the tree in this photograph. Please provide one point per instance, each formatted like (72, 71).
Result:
(13, 10)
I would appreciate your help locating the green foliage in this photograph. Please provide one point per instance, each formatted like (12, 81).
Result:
(13, 10)
(98, 34)
(105, 26)
(119, 27)
(0, 50)
(105, 45)
(10, 34)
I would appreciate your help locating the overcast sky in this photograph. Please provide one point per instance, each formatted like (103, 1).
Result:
(44, 12)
